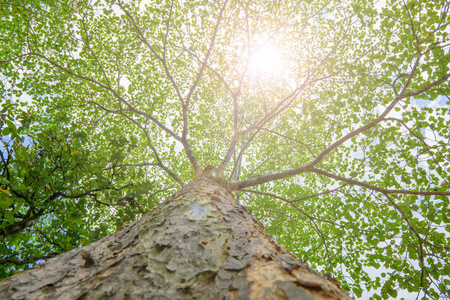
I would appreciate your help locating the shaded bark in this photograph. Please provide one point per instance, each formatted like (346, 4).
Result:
(198, 244)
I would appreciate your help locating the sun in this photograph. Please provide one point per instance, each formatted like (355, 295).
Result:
(266, 61)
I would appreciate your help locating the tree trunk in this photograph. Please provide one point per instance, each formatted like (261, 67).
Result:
(198, 244)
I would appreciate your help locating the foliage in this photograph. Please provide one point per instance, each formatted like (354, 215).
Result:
(344, 155)
(56, 195)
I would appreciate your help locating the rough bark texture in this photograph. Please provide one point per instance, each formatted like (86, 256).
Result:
(198, 244)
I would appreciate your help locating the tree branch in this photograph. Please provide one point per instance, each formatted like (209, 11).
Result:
(27, 260)
(378, 189)
(184, 140)
(161, 59)
(155, 152)
(131, 165)
(323, 154)
(295, 200)
(131, 107)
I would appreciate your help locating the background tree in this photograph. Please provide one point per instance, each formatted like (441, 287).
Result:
(341, 149)
(46, 179)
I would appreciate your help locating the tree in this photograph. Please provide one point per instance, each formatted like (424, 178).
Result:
(199, 244)
(38, 174)
(341, 149)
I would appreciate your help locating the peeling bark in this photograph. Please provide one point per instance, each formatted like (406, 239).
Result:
(198, 244)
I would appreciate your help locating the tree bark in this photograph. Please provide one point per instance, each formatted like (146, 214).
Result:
(198, 244)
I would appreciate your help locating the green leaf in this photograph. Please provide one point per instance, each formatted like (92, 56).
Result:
(4, 180)
(9, 217)
(5, 202)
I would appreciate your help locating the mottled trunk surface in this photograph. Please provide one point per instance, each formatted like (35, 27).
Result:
(198, 244)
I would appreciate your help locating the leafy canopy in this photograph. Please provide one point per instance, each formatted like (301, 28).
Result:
(109, 106)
